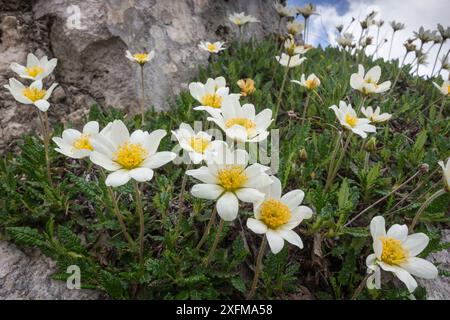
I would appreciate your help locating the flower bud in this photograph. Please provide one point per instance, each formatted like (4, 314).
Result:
(424, 167)
(303, 155)
(371, 145)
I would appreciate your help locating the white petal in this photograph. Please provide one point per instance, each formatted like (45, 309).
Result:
(276, 242)
(103, 161)
(249, 195)
(373, 75)
(377, 227)
(228, 206)
(256, 226)
(207, 191)
(416, 243)
(291, 237)
(203, 174)
(293, 199)
(420, 268)
(42, 105)
(402, 274)
(399, 232)
(141, 174)
(119, 133)
(91, 127)
(159, 159)
(117, 178)
(154, 140)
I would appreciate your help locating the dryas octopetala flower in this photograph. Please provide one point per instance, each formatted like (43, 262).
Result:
(140, 57)
(307, 10)
(276, 216)
(349, 120)
(294, 28)
(292, 48)
(211, 93)
(283, 11)
(128, 156)
(346, 40)
(199, 145)
(35, 69)
(240, 122)
(311, 83)
(247, 86)
(445, 32)
(212, 47)
(396, 251)
(290, 61)
(241, 19)
(76, 144)
(368, 83)
(397, 26)
(374, 115)
(34, 94)
(228, 178)
(444, 88)
(446, 174)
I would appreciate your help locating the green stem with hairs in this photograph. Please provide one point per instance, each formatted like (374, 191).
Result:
(425, 205)
(258, 268)
(140, 212)
(212, 219)
(43, 119)
(215, 243)
(143, 97)
(332, 173)
(280, 95)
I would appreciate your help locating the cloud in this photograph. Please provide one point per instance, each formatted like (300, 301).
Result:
(413, 13)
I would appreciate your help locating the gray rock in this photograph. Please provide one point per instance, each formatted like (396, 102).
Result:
(439, 288)
(27, 276)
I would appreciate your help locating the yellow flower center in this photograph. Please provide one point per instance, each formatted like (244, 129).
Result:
(311, 84)
(238, 21)
(130, 155)
(448, 90)
(141, 57)
(211, 47)
(34, 71)
(33, 94)
(83, 143)
(351, 120)
(248, 124)
(393, 252)
(199, 144)
(274, 213)
(212, 100)
(232, 177)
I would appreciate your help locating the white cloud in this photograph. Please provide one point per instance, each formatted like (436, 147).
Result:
(413, 13)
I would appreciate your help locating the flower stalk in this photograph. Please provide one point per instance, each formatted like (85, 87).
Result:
(215, 243)
(425, 205)
(43, 119)
(258, 268)
(142, 96)
(334, 169)
(212, 220)
(140, 212)
(280, 95)
(181, 203)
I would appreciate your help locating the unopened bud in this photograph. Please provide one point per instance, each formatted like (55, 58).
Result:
(424, 167)
(371, 145)
(303, 155)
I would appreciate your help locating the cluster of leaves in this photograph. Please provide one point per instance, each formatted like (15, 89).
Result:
(74, 224)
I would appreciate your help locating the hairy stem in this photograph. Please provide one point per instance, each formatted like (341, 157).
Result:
(212, 219)
(181, 203)
(258, 268)
(332, 173)
(143, 97)
(215, 243)
(280, 95)
(425, 205)
(305, 108)
(140, 212)
(43, 119)
(360, 287)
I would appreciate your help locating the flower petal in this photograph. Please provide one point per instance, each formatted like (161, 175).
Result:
(141, 174)
(206, 191)
(249, 195)
(276, 242)
(293, 198)
(420, 268)
(416, 243)
(228, 206)
(117, 178)
(291, 237)
(159, 159)
(256, 226)
(399, 232)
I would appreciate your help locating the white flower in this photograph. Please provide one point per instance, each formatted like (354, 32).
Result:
(34, 94)
(396, 252)
(241, 19)
(446, 173)
(374, 115)
(210, 94)
(277, 215)
(128, 156)
(240, 122)
(368, 83)
(227, 178)
(293, 61)
(292, 48)
(141, 57)
(284, 11)
(76, 144)
(294, 28)
(346, 40)
(349, 120)
(444, 88)
(311, 83)
(198, 145)
(35, 69)
(212, 47)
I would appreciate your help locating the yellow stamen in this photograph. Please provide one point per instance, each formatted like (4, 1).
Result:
(211, 47)
(274, 213)
(199, 144)
(247, 86)
(141, 57)
(130, 155)
(34, 71)
(393, 252)
(448, 90)
(33, 93)
(248, 124)
(83, 143)
(311, 84)
(212, 100)
(351, 120)
(232, 177)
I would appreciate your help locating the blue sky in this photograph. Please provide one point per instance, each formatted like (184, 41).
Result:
(414, 13)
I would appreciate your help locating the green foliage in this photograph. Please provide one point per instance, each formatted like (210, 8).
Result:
(75, 223)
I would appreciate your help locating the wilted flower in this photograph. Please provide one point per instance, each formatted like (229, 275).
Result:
(76, 144)
(227, 178)
(210, 94)
(283, 11)
(444, 88)
(311, 83)
(446, 173)
(241, 123)
(445, 32)
(276, 216)
(34, 94)
(379, 23)
(346, 40)
(409, 45)
(140, 57)
(367, 41)
(307, 10)
(294, 28)
(368, 83)
(241, 19)
(397, 26)
(288, 61)
(349, 120)
(396, 251)
(35, 69)
(374, 115)
(212, 47)
(247, 86)
(340, 27)
(128, 156)
(199, 145)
